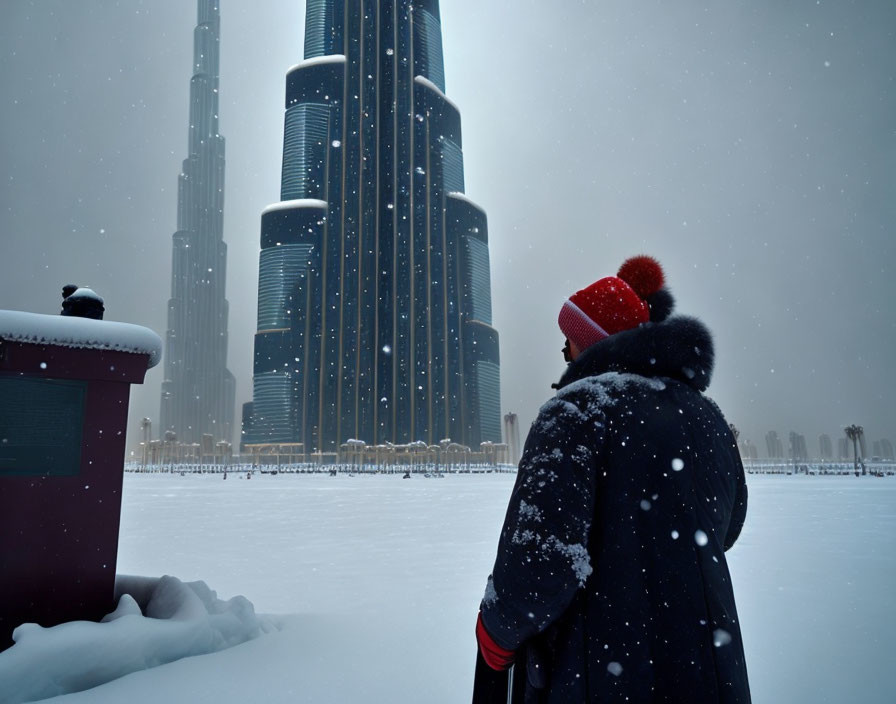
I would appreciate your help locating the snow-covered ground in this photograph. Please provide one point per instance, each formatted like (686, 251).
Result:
(374, 582)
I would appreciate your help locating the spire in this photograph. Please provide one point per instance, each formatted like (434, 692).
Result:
(204, 84)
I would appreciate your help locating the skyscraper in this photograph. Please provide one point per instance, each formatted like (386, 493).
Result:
(198, 390)
(824, 446)
(374, 305)
(843, 450)
(798, 449)
(774, 445)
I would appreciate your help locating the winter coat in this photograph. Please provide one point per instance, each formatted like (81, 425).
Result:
(611, 579)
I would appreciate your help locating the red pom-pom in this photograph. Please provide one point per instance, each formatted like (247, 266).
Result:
(644, 274)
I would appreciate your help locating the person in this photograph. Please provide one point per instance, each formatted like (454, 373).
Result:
(610, 582)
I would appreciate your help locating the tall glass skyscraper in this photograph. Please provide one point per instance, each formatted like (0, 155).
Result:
(374, 305)
(198, 390)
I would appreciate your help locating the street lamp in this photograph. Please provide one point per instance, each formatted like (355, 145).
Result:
(146, 427)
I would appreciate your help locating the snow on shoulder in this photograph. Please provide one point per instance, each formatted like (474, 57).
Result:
(69, 331)
(157, 621)
(611, 380)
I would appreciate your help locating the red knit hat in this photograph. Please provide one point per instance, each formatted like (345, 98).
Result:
(611, 304)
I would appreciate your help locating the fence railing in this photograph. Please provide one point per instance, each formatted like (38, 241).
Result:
(816, 468)
(434, 469)
(423, 469)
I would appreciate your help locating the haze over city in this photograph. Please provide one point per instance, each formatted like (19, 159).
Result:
(748, 147)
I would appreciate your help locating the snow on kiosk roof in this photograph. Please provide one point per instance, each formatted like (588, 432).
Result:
(65, 331)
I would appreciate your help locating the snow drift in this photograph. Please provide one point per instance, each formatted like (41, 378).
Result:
(157, 621)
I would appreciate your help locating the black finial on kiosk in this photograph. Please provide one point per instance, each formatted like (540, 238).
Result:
(81, 302)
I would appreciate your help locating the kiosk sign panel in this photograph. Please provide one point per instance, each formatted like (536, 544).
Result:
(41, 423)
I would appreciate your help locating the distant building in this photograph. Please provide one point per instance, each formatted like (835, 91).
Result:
(798, 449)
(886, 450)
(198, 391)
(748, 450)
(774, 445)
(512, 437)
(843, 449)
(825, 450)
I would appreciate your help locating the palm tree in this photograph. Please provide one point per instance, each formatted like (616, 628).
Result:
(855, 433)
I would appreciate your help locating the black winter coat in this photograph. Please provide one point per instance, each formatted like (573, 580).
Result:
(611, 579)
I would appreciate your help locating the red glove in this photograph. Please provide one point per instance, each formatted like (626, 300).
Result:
(495, 656)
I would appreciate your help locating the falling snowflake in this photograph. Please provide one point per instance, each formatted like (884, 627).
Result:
(720, 637)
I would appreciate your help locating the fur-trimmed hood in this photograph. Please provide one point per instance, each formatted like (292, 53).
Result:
(679, 347)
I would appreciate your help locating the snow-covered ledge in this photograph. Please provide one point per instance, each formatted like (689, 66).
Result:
(66, 331)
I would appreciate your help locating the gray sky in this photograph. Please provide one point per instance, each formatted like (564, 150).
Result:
(748, 145)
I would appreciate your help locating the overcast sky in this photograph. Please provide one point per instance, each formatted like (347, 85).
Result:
(749, 145)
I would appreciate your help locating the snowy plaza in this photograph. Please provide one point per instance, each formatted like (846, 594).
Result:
(369, 586)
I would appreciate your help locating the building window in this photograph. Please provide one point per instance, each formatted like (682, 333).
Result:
(304, 151)
(452, 167)
(429, 35)
(480, 280)
(273, 396)
(278, 274)
(318, 17)
(489, 388)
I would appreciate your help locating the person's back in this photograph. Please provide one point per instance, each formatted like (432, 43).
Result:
(659, 596)
(611, 581)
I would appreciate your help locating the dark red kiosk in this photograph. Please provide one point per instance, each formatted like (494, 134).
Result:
(64, 387)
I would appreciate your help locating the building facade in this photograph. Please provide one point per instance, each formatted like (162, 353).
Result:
(774, 445)
(825, 448)
(798, 449)
(374, 306)
(843, 448)
(198, 391)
